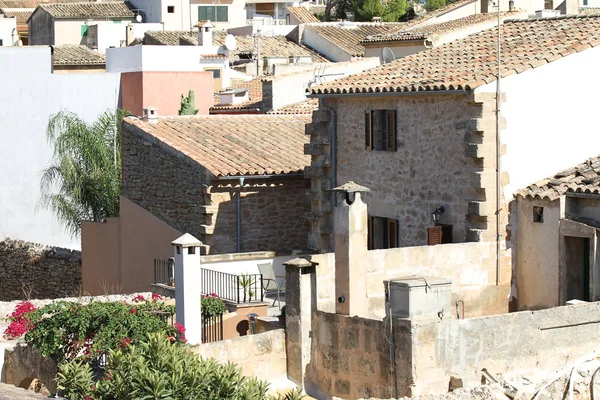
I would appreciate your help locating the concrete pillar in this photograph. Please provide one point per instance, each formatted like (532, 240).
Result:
(187, 286)
(351, 258)
(300, 302)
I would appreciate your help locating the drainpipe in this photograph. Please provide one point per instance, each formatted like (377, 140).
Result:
(12, 35)
(333, 144)
(498, 165)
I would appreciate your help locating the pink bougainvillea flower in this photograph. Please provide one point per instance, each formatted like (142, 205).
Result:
(133, 310)
(125, 342)
(138, 299)
(156, 297)
(180, 328)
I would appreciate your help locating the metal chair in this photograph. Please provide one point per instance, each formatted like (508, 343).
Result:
(270, 283)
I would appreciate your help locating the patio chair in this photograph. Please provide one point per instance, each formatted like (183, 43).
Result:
(270, 283)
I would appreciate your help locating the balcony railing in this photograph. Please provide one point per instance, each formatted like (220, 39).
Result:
(212, 328)
(164, 271)
(238, 289)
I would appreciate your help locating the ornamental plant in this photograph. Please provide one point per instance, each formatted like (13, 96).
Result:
(66, 331)
(20, 322)
(212, 305)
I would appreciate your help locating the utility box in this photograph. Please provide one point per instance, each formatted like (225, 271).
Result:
(418, 295)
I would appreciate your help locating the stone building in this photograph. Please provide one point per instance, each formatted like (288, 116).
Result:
(422, 133)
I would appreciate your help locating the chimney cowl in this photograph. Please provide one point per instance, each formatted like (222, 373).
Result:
(151, 114)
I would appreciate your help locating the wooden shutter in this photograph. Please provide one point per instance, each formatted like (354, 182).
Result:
(222, 14)
(369, 130)
(434, 235)
(392, 233)
(391, 130)
(369, 232)
(202, 13)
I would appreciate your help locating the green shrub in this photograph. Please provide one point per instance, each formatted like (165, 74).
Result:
(212, 305)
(68, 330)
(159, 369)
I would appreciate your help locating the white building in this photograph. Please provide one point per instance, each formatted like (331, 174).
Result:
(8, 31)
(173, 14)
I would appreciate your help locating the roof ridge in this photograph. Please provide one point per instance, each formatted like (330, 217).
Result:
(559, 17)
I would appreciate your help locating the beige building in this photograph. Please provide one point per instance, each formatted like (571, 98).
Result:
(67, 23)
(557, 238)
(76, 59)
(421, 132)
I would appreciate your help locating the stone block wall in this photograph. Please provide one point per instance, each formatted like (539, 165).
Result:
(30, 270)
(163, 181)
(261, 355)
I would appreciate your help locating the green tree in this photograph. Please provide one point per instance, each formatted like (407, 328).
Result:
(369, 9)
(431, 5)
(395, 10)
(83, 181)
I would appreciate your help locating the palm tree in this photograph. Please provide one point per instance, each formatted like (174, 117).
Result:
(83, 182)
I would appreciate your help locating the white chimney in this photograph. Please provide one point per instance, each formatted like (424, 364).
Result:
(151, 115)
(129, 34)
(205, 34)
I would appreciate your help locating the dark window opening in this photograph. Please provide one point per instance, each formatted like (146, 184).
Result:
(439, 234)
(191, 250)
(538, 214)
(382, 233)
(170, 9)
(380, 130)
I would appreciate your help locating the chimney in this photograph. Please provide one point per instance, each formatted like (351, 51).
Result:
(151, 115)
(129, 34)
(205, 34)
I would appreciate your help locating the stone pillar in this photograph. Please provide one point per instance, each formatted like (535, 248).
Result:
(300, 302)
(187, 286)
(351, 258)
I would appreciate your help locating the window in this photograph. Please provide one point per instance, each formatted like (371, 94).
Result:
(170, 9)
(380, 130)
(538, 214)
(383, 233)
(439, 234)
(213, 13)
(1, 42)
(84, 30)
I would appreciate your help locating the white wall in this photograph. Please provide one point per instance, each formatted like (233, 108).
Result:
(150, 9)
(266, 30)
(112, 34)
(552, 121)
(8, 31)
(69, 32)
(323, 46)
(27, 100)
(236, 12)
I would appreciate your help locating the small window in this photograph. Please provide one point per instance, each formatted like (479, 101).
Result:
(170, 9)
(538, 214)
(383, 233)
(380, 130)
(1, 42)
(178, 249)
(191, 250)
(216, 73)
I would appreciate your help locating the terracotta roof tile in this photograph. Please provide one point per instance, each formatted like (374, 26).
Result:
(76, 55)
(21, 16)
(235, 144)
(89, 10)
(303, 15)
(467, 63)
(416, 33)
(305, 107)
(255, 98)
(167, 38)
(348, 38)
(583, 178)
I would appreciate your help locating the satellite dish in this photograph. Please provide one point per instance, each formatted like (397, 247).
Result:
(230, 42)
(387, 55)
(138, 18)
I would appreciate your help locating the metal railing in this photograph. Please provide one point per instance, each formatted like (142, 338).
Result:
(212, 328)
(164, 271)
(238, 289)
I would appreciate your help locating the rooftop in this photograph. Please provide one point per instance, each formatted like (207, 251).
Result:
(235, 144)
(88, 10)
(417, 33)
(349, 38)
(302, 14)
(471, 62)
(305, 107)
(583, 178)
(254, 103)
(21, 16)
(68, 55)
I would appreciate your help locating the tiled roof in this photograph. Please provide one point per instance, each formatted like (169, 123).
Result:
(276, 46)
(471, 62)
(76, 55)
(347, 38)
(255, 97)
(18, 4)
(21, 16)
(235, 144)
(302, 14)
(439, 12)
(90, 10)
(584, 178)
(305, 107)
(426, 31)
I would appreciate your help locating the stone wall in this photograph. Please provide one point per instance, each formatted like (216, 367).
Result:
(261, 355)
(445, 156)
(30, 270)
(163, 181)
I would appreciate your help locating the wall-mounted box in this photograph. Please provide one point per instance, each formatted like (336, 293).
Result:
(418, 295)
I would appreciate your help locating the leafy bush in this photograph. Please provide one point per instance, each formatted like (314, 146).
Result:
(212, 305)
(159, 369)
(69, 330)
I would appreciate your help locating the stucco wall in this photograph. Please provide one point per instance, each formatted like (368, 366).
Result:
(107, 35)
(399, 51)
(69, 32)
(236, 13)
(163, 90)
(539, 143)
(8, 31)
(261, 355)
(537, 254)
(100, 257)
(429, 169)
(315, 41)
(26, 102)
